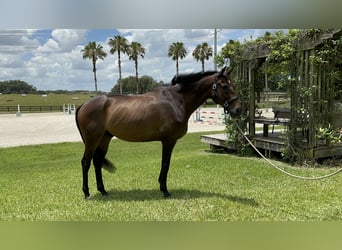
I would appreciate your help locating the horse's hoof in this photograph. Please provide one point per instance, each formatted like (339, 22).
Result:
(104, 192)
(167, 195)
(87, 197)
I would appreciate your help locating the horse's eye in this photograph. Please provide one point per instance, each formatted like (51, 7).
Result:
(224, 86)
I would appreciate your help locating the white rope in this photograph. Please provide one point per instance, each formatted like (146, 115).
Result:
(280, 169)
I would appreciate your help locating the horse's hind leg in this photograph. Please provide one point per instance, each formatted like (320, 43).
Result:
(86, 161)
(99, 160)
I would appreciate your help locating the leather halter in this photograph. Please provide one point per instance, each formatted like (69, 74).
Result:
(227, 103)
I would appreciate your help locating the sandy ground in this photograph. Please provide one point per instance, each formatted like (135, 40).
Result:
(31, 129)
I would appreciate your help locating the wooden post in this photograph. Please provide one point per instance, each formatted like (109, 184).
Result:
(251, 77)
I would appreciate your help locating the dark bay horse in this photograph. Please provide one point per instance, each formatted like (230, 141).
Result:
(159, 115)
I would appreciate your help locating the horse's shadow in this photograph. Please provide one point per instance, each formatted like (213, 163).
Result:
(176, 194)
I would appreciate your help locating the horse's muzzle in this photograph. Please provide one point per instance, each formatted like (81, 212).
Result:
(235, 112)
(233, 107)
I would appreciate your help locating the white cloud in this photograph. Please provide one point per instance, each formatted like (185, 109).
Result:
(68, 38)
(11, 61)
(50, 46)
(63, 40)
(17, 41)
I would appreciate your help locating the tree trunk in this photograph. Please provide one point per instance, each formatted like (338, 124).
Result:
(94, 71)
(177, 67)
(136, 75)
(119, 61)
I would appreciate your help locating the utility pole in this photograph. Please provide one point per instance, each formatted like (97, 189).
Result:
(215, 47)
(216, 32)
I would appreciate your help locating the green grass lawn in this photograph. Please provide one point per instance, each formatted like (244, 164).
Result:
(44, 183)
(40, 100)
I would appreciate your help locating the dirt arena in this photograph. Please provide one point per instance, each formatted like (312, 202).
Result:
(31, 129)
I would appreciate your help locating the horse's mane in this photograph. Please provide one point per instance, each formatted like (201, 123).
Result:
(187, 79)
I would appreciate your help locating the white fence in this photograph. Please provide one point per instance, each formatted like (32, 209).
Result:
(209, 116)
(69, 108)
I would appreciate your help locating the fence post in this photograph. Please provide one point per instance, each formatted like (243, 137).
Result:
(198, 114)
(18, 112)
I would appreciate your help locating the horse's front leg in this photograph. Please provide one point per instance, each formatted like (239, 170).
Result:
(165, 164)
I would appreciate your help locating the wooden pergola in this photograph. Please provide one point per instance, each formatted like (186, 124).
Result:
(312, 94)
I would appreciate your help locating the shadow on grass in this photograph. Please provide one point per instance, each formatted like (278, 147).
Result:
(176, 194)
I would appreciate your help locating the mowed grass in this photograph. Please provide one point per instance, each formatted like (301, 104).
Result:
(44, 183)
(43, 100)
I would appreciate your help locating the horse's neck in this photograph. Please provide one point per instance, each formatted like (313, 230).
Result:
(198, 95)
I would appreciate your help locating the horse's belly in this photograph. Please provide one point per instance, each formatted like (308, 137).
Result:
(139, 132)
(136, 135)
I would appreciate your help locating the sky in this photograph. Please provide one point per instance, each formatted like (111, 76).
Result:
(51, 59)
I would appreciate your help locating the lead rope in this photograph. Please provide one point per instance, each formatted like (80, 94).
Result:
(280, 169)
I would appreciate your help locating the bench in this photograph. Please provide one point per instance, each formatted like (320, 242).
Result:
(281, 117)
(283, 96)
(281, 113)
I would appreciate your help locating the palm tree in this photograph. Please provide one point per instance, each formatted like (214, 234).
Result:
(93, 52)
(118, 44)
(176, 52)
(202, 52)
(134, 51)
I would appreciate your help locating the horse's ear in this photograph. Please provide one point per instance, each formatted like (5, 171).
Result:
(222, 71)
(229, 71)
(226, 70)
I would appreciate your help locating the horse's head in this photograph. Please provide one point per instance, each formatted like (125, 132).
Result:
(224, 93)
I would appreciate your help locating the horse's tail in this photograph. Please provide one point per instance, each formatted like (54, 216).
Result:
(78, 125)
(107, 165)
